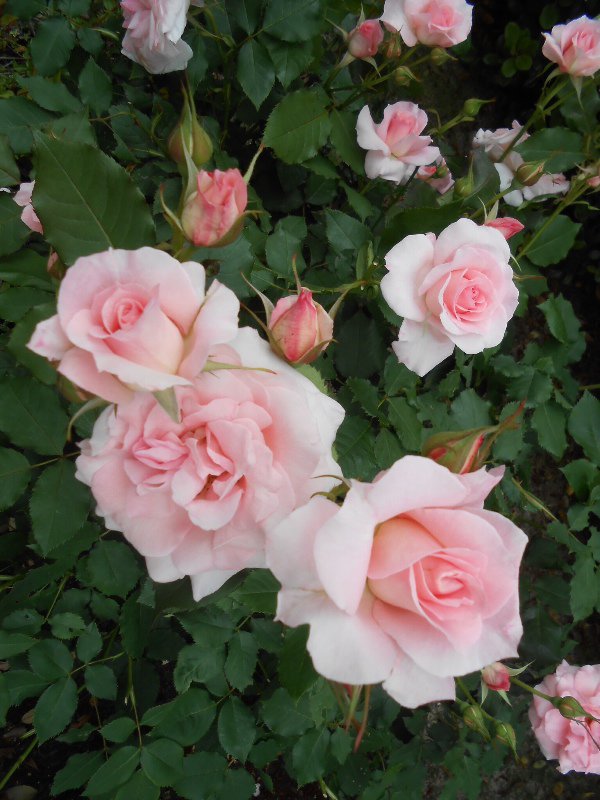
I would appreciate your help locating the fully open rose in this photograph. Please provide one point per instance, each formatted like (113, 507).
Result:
(436, 23)
(196, 496)
(135, 319)
(575, 47)
(456, 289)
(410, 582)
(575, 743)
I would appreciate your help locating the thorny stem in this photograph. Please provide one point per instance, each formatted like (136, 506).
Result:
(18, 763)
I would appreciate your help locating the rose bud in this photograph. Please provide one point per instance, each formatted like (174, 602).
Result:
(364, 40)
(189, 135)
(455, 450)
(529, 173)
(508, 226)
(505, 733)
(299, 328)
(473, 718)
(213, 216)
(496, 676)
(570, 707)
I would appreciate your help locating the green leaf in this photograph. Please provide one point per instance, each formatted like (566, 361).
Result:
(31, 416)
(365, 394)
(95, 87)
(50, 659)
(23, 684)
(24, 620)
(16, 302)
(245, 12)
(584, 426)
(66, 625)
(406, 423)
(52, 45)
(101, 682)
(289, 60)
(255, 72)
(561, 319)
(136, 623)
(74, 128)
(197, 662)
(15, 472)
(21, 334)
(113, 568)
(309, 755)
(343, 138)
(50, 95)
(585, 592)
(236, 729)
(138, 786)
(59, 506)
(554, 242)
(549, 422)
(78, 769)
(387, 449)
(293, 20)
(360, 351)
(75, 8)
(470, 411)
(86, 201)
(118, 730)
(258, 592)
(185, 719)
(9, 171)
(582, 476)
(55, 708)
(296, 672)
(89, 643)
(241, 660)
(345, 232)
(354, 446)
(11, 644)
(235, 260)
(162, 762)
(19, 117)
(115, 772)
(299, 125)
(285, 244)
(559, 148)
(13, 231)
(286, 716)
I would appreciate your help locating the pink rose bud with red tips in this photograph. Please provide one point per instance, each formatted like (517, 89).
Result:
(364, 40)
(456, 450)
(299, 328)
(496, 676)
(508, 226)
(213, 216)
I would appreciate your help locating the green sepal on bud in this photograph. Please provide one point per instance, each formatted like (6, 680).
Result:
(530, 172)
(463, 187)
(439, 56)
(505, 734)
(189, 136)
(473, 106)
(403, 76)
(456, 450)
(569, 707)
(473, 718)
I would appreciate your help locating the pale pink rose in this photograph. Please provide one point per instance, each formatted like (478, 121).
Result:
(508, 226)
(452, 290)
(28, 216)
(496, 677)
(573, 742)
(153, 35)
(410, 582)
(195, 497)
(135, 319)
(438, 176)
(364, 40)
(575, 47)
(213, 215)
(395, 146)
(436, 23)
(495, 143)
(300, 328)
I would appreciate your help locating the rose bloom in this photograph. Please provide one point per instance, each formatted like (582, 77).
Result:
(436, 23)
(495, 143)
(437, 176)
(300, 328)
(395, 147)
(135, 319)
(364, 40)
(28, 216)
(196, 496)
(575, 47)
(153, 35)
(213, 215)
(410, 582)
(454, 289)
(570, 741)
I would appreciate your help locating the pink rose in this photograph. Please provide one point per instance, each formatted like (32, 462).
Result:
(508, 226)
(395, 147)
(410, 582)
(300, 329)
(454, 289)
(495, 143)
(437, 175)
(496, 677)
(213, 215)
(436, 23)
(135, 319)
(572, 742)
(28, 216)
(575, 47)
(195, 497)
(153, 35)
(364, 40)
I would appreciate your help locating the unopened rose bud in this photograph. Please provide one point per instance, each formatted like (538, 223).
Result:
(529, 173)
(455, 450)
(439, 56)
(364, 40)
(299, 328)
(569, 707)
(463, 187)
(496, 676)
(473, 106)
(508, 226)
(403, 76)
(473, 718)
(594, 182)
(189, 135)
(212, 216)
(505, 733)
(393, 48)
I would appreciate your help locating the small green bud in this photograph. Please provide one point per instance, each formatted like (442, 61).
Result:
(473, 106)
(505, 733)
(570, 708)
(473, 718)
(403, 76)
(463, 187)
(439, 56)
(529, 173)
